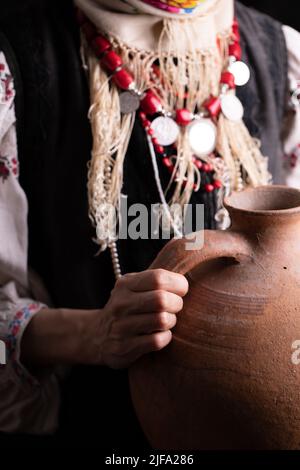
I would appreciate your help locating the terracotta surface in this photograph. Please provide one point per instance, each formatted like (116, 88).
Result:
(227, 380)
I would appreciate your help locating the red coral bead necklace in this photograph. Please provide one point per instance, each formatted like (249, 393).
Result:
(163, 127)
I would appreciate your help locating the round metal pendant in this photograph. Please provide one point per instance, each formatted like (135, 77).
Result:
(241, 72)
(166, 130)
(202, 137)
(232, 107)
(129, 102)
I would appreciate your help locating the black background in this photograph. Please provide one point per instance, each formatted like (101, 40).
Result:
(285, 11)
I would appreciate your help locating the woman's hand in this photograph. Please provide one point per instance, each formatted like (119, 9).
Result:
(137, 319)
(139, 316)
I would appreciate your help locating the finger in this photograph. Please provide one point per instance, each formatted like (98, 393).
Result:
(157, 279)
(145, 324)
(153, 301)
(149, 343)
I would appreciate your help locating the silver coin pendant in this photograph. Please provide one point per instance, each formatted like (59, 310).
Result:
(241, 72)
(165, 130)
(129, 102)
(232, 107)
(202, 135)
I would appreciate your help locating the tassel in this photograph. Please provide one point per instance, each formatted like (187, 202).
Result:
(185, 80)
(241, 154)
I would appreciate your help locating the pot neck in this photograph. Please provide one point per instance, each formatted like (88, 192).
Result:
(267, 224)
(269, 215)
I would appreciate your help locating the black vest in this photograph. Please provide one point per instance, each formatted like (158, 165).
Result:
(41, 43)
(54, 139)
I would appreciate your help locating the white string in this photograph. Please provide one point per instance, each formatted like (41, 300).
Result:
(159, 187)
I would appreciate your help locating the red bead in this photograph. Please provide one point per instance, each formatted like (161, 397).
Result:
(235, 50)
(199, 164)
(159, 148)
(123, 79)
(235, 26)
(100, 45)
(218, 184)
(235, 23)
(207, 167)
(167, 163)
(209, 188)
(143, 116)
(89, 31)
(150, 131)
(151, 104)
(236, 33)
(236, 36)
(146, 123)
(228, 79)
(213, 106)
(183, 117)
(155, 141)
(111, 61)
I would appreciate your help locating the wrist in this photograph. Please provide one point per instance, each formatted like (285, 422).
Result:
(89, 333)
(59, 336)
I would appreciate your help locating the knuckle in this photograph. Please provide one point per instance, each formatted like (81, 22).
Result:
(159, 276)
(161, 300)
(163, 320)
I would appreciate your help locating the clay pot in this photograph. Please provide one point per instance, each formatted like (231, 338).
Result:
(227, 380)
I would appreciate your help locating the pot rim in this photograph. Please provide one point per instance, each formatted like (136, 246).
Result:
(232, 207)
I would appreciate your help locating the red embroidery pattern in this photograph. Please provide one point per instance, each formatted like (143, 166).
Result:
(8, 166)
(6, 85)
(292, 159)
(11, 340)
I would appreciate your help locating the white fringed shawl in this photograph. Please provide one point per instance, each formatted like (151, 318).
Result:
(142, 35)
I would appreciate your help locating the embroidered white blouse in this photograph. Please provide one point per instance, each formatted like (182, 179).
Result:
(29, 404)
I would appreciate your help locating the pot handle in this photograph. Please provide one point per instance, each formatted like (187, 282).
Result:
(217, 244)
